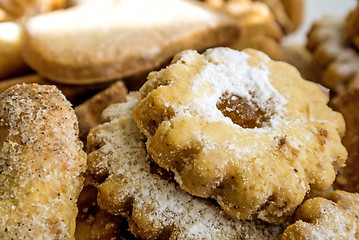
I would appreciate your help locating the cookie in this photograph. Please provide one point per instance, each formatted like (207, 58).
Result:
(89, 112)
(41, 163)
(242, 129)
(11, 62)
(347, 103)
(259, 29)
(329, 44)
(120, 39)
(320, 218)
(156, 208)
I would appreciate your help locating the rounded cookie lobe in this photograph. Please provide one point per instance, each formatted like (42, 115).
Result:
(320, 218)
(41, 162)
(242, 129)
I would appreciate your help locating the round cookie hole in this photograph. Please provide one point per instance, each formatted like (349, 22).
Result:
(242, 112)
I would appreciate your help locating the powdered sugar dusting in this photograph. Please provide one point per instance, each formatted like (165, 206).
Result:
(187, 217)
(228, 72)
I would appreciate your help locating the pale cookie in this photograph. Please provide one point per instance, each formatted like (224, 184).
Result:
(347, 103)
(339, 61)
(41, 162)
(105, 40)
(154, 205)
(319, 218)
(242, 129)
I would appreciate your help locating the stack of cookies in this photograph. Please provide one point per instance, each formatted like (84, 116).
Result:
(210, 143)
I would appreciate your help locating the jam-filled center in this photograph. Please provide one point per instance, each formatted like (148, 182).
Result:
(242, 112)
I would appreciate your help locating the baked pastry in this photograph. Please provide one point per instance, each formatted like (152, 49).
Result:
(93, 223)
(11, 10)
(156, 208)
(347, 103)
(259, 29)
(339, 61)
(128, 37)
(89, 112)
(41, 163)
(11, 37)
(242, 129)
(319, 218)
(76, 94)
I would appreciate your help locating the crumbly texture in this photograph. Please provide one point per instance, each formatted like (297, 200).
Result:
(319, 218)
(259, 29)
(242, 129)
(155, 206)
(106, 40)
(351, 26)
(338, 60)
(41, 162)
(347, 103)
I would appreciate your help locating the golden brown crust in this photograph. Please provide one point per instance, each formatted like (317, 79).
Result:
(41, 162)
(76, 94)
(125, 46)
(214, 154)
(319, 218)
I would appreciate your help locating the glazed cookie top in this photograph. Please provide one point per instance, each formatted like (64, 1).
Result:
(242, 129)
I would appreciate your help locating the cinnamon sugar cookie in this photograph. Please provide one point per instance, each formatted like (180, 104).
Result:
(156, 208)
(338, 60)
(319, 218)
(41, 163)
(242, 129)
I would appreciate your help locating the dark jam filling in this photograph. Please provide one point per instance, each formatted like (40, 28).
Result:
(242, 112)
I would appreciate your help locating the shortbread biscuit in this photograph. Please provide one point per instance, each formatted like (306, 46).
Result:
(339, 61)
(156, 208)
(347, 103)
(319, 218)
(107, 40)
(41, 162)
(242, 129)
(89, 112)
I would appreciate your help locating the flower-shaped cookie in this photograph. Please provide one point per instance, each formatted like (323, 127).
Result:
(242, 129)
